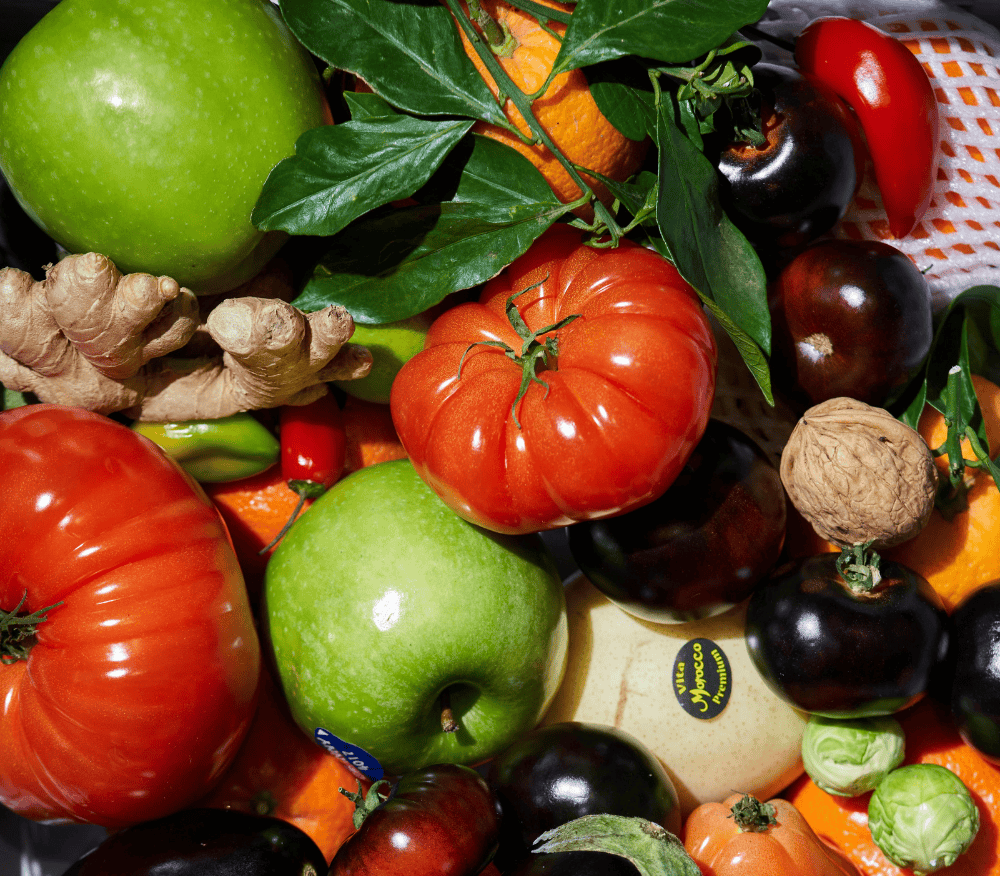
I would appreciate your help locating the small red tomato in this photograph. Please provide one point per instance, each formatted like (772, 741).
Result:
(441, 820)
(575, 388)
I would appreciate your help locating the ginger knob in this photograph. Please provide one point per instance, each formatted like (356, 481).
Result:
(858, 474)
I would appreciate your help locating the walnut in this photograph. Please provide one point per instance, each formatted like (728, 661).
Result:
(858, 474)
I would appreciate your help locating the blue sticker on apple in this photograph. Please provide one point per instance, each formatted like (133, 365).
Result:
(356, 757)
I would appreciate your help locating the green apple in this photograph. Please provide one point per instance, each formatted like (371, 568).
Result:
(383, 608)
(145, 131)
(391, 344)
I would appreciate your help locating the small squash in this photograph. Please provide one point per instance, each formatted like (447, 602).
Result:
(743, 836)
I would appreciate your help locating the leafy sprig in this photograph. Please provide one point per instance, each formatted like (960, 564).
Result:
(408, 206)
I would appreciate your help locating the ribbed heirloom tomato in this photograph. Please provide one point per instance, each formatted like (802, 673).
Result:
(128, 693)
(575, 388)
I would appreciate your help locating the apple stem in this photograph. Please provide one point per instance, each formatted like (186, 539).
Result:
(448, 722)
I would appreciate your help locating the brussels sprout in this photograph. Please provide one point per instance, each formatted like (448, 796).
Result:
(922, 817)
(850, 757)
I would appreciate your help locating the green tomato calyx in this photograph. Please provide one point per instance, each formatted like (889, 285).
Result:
(751, 814)
(538, 352)
(365, 804)
(858, 565)
(17, 631)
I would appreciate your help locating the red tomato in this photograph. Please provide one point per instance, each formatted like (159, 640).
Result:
(140, 683)
(612, 412)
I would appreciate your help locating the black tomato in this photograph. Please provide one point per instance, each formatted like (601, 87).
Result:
(833, 651)
(974, 670)
(702, 546)
(441, 819)
(849, 318)
(561, 772)
(800, 183)
(205, 842)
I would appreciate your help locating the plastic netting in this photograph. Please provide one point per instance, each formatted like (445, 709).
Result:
(957, 243)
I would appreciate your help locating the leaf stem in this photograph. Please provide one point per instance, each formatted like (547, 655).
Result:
(17, 631)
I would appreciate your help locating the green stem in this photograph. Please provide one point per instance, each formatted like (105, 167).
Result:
(752, 815)
(365, 804)
(17, 631)
(858, 565)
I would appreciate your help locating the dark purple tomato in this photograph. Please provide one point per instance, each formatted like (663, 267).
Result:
(441, 819)
(800, 183)
(833, 651)
(205, 842)
(974, 670)
(702, 546)
(849, 318)
(574, 864)
(561, 772)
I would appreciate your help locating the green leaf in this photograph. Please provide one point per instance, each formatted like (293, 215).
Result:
(365, 106)
(410, 53)
(340, 172)
(425, 253)
(672, 31)
(708, 250)
(624, 95)
(653, 850)
(483, 209)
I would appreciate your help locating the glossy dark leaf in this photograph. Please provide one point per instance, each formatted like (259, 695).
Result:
(709, 251)
(341, 172)
(493, 204)
(672, 31)
(410, 53)
(624, 95)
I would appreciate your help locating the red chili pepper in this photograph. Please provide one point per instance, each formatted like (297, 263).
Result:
(892, 96)
(313, 451)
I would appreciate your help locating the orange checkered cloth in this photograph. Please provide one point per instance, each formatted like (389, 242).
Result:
(957, 243)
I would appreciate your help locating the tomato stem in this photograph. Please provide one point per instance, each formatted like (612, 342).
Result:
(17, 631)
(536, 354)
(858, 565)
(365, 804)
(750, 814)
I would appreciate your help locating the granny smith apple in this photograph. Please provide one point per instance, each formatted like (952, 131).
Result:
(384, 608)
(146, 131)
(392, 344)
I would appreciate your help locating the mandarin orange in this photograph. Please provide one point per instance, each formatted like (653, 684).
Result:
(930, 738)
(280, 771)
(566, 111)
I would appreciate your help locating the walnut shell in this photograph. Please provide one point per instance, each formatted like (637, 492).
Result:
(858, 474)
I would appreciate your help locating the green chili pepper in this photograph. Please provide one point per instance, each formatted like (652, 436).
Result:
(213, 451)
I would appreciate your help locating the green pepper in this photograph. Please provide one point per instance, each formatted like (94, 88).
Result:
(213, 451)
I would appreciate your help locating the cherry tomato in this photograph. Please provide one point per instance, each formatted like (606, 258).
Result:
(849, 318)
(205, 842)
(799, 184)
(441, 820)
(702, 546)
(831, 649)
(137, 679)
(597, 395)
(560, 772)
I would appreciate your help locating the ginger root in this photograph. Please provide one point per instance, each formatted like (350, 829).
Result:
(91, 337)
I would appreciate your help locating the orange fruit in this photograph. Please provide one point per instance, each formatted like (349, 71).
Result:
(371, 437)
(930, 738)
(958, 556)
(567, 110)
(280, 771)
